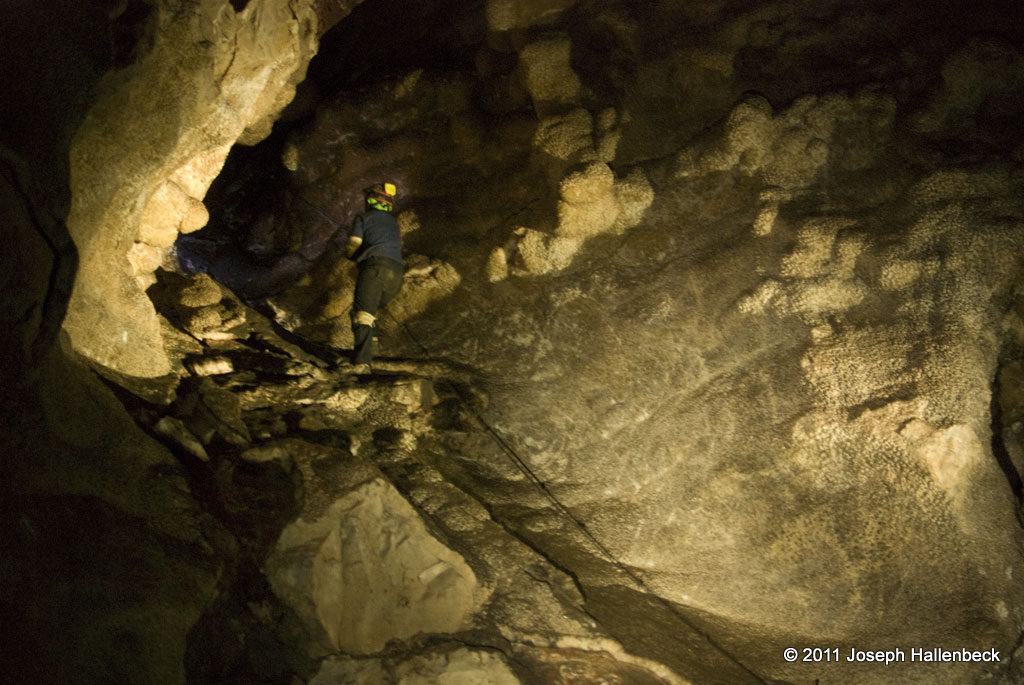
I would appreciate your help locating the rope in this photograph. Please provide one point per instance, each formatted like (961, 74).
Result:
(319, 210)
(563, 510)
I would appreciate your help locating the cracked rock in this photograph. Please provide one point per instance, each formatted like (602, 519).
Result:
(174, 429)
(367, 571)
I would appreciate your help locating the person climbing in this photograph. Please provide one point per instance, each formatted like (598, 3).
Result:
(375, 244)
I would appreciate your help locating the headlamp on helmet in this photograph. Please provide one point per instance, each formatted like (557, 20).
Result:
(381, 196)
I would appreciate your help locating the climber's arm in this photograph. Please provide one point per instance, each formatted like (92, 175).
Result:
(353, 245)
(355, 237)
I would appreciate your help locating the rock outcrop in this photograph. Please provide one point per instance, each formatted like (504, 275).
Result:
(154, 141)
(377, 575)
(376, 563)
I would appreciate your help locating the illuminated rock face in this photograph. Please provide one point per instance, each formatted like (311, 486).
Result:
(376, 573)
(149, 148)
(766, 391)
(776, 430)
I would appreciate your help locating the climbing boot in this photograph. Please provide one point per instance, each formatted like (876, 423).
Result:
(363, 348)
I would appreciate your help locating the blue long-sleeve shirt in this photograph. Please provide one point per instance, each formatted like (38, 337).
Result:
(380, 234)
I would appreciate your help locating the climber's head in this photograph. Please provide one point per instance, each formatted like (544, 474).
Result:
(381, 196)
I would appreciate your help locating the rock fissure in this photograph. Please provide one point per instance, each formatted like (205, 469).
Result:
(53, 304)
(999, 447)
(219, 80)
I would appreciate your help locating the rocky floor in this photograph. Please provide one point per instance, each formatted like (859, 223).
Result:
(375, 529)
(352, 555)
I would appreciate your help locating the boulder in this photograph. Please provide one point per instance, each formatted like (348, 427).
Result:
(367, 571)
(547, 74)
(507, 15)
(200, 291)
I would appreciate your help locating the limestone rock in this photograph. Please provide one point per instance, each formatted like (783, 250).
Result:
(587, 185)
(216, 322)
(634, 196)
(592, 203)
(141, 143)
(262, 454)
(348, 399)
(168, 212)
(408, 222)
(579, 221)
(782, 431)
(174, 429)
(144, 258)
(367, 571)
(179, 345)
(426, 280)
(413, 394)
(898, 274)
(459, 667)
(290, 157)
(212, 411)
(497, 265)
(547, 73)
(567, 137)
(506, 15)
(350, 672)
(203, 320)
(791, 149)
(540, 253)
(588, 206)
(951, 455)
(234, 314)
(852, 337)
(201, 291)
(211, 366)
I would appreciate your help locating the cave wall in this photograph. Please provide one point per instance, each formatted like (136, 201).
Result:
(747, 275)
(204, 78)
(96, 519)
(108, 560)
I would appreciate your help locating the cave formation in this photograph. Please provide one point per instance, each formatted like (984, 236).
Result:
(709, 346)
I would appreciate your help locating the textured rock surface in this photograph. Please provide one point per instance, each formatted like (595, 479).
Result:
(371, 573)
(757, 366)
(870, 492)
(146, 154)
(107, 558)
(460, 666)
(327, 486)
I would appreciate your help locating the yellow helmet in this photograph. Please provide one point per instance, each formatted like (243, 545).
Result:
(381, 196)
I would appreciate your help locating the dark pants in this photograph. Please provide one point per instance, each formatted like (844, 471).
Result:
(379, 281)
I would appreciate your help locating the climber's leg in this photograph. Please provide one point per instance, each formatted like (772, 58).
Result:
(364, 312)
